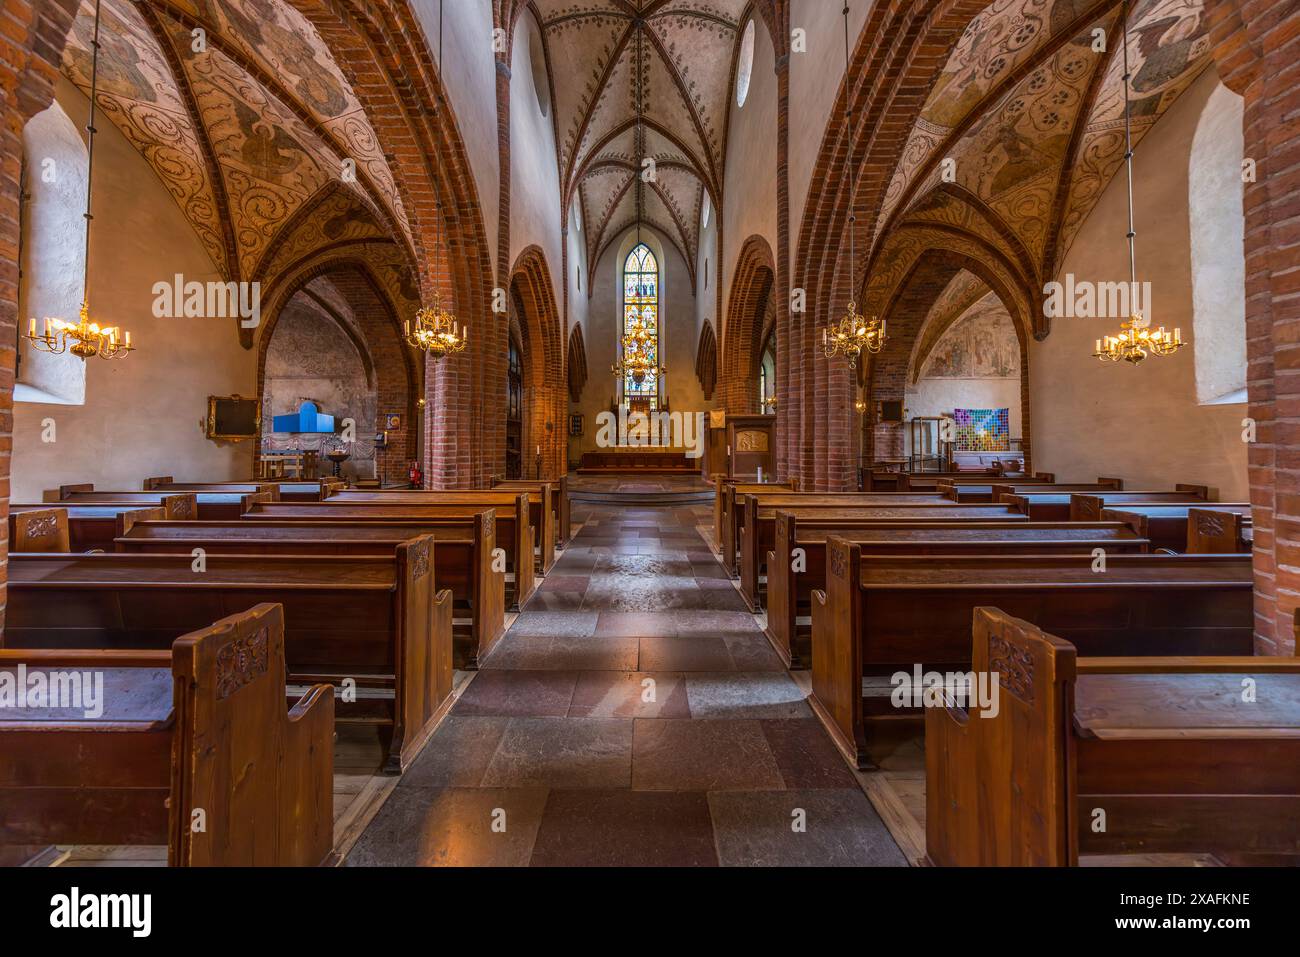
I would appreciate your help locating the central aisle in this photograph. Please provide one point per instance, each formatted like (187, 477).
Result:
(633, 715)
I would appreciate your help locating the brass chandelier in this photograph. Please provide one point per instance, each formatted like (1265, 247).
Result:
(635, 360)
(853, 334)
(84, 338)
(436, 331)
(1136, 339)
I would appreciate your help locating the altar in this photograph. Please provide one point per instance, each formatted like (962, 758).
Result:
(644, 460)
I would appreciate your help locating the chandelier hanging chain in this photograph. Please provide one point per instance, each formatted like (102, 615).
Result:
(1136, 340)
(84, 338)
(90, 148)
(852, 334)
(436, 329)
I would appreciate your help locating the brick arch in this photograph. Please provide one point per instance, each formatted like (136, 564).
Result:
(706, 360)
(752, 287)
(898, 55)
(545, 386)
(576, 363)
(397, 374)
(921, 274)
(380, 47)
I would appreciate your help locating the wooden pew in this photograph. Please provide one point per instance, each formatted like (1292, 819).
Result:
(376, 620)
(1166, 748)
(974, 493)
(758, 531)
(929, 481)
(725, 492)
(559, 502)
(514, 534)
(884, 614)
(1215, 528)
(1063, 507)
(735, 518)
(462, 557)
(290, 490)
(199, 727)
(89, 526)
(210, 506)
(789, 592)
(540, 509)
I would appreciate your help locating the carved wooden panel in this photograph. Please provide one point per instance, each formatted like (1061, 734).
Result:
(241, 662)
(1014, 667)
(751, 440)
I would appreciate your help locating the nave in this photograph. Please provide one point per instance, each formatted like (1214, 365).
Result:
(634, 715)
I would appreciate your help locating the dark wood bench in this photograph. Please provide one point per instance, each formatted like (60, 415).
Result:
(199, 728)
(463, 558)
(1207, 529)
(540, 509)
(883, 614)
(789, 592)
(725, 492)
(210, 506)
(514, 534)
(976, 492)
(929, 481)
(1165, 752)
(559, 492)
(758, 530)
(290, 490)
(780, 498)
(1070, 507)
(376, 620)
(80, 528)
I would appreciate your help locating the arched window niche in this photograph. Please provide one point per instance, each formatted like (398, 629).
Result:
(641, 297)
(1217, 224)
(52, 253)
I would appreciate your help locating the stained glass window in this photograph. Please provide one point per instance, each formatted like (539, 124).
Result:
(641, 322)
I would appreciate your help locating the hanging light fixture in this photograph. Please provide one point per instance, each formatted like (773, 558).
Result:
(1136, 339)
(634, 358)
(84, 338)
(436, 331)
(853, 334)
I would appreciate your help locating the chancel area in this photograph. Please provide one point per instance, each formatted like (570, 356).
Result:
(643, 433)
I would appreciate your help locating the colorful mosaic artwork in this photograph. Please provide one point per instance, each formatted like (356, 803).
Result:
(983, 430)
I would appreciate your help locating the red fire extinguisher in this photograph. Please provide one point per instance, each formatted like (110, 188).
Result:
(415, 476)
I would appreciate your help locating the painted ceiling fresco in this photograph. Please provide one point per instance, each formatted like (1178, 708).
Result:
(681, 58)
(277, 123)
(1033, 129)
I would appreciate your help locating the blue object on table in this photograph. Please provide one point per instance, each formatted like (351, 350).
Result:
(306, 419)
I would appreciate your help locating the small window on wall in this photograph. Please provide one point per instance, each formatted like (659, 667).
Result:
(745, 64)
(1218, 228)
(54, 175)
(537, 59)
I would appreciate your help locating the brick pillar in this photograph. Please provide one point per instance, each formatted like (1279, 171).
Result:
(788, 356)
(1255, 48)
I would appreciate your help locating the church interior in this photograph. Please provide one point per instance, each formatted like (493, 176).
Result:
(650, 433)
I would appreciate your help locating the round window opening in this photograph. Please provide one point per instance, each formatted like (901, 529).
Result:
(745, 65)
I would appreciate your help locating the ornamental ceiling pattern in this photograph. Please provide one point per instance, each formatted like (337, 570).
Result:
(245, 121)
(1031, 114)
(681, 53)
